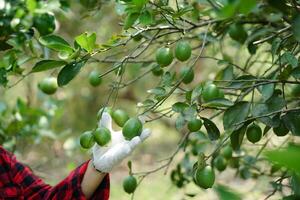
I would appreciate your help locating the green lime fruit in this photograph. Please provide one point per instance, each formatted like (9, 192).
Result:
(133, 127)
(106, 109)
(102, 136)
(164, 56)
(194, 125)
(187, 75)
(254, 133)
(129, 184)
(204, 177)
(295, 90)
(281, 130)
(157, 71)
(227, 152)
(210, 92)
(183, 51)
(220, 163)
(120, 117)
(95, 79)
(238, 33)
(48, 85)
(87, 140)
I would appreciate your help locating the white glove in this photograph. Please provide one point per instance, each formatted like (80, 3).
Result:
(105, 158)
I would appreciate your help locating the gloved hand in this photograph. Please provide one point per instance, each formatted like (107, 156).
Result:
(105, 158)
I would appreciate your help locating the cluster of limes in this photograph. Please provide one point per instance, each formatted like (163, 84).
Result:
(131, 127)
(165, 56)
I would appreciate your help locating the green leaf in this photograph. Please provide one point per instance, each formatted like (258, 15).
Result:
(271, 105)
(235, 114)
(291, 121)
(140, 3)
(179, 107)
(246, 6)
(212, 130)
(69, 72)
(146, 18)
(275, 47)
(289, 58)
(130, 20)
(287, 157)
(197, 92)
(225, 74)
(221, 102)
(31, 5)
(189, 113)
(296, 28)
(296, 73)
(267, 90)
(3, 77)
(180, 122)
(87, 42)
(47, 64)
(56, 43)
(237, 136)
(226, 193)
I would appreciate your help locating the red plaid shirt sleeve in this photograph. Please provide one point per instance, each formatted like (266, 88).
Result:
(18, 182)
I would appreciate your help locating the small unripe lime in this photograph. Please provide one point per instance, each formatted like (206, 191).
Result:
(48, 85)
(210, 92)
(129, 184)
(227, 152)
(220, 163)
(187, 74)
(238, 33)
(133, 127)
(95, 79)
(295, 90)
(194, 125)
(254, 133)
(183, 51)
(281, 130)
(120, 117)
(87, 140)
(164, 56)
(102, 136)
(106, 109)
(157, 71)
(204, 177)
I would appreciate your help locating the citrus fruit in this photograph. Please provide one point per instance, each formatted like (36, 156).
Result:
(44, 23)
(164, 56)
(187, 75)
(106, 109)
(95, 79)
(254, 133)
(281, 130)
(227, 152)
(129, 184)
(157, 71)
(220, 163)
(87, 140)
(48, 85)
(238, 33)
(245, 173)
(204, 177)
(120, 117)
(194, 125)
(133, 127)
(210, 92)
(183, 51)
(102, 136)
(296, 90)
